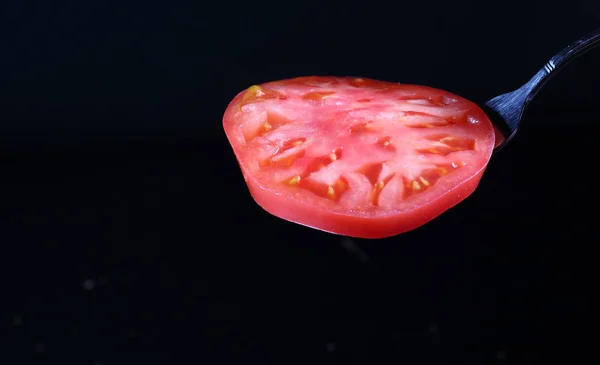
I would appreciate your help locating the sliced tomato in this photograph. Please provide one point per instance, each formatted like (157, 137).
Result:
(355, 156)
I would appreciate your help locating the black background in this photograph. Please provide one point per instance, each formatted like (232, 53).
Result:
(127, 235)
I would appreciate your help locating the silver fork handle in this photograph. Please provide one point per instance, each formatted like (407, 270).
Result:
(568, 54)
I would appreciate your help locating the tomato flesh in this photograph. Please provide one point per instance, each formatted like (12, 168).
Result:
(356, 156)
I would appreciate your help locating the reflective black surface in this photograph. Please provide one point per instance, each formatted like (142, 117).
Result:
(121, 254)
(127, 235)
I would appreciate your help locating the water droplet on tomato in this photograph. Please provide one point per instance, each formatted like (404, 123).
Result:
(448, 100)
(473, 120)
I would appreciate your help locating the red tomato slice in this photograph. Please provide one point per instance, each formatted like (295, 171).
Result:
(357, 157)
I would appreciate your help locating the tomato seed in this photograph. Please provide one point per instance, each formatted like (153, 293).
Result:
(416, 186)
(295, 180)
(256, 93)
(317, 96)
(386, 143)
(362, 128)
(330, 192)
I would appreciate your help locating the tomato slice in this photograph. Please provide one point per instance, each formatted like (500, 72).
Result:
(355, 156)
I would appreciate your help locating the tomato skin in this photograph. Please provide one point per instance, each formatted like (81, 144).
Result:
(358, 226)
(288, 205)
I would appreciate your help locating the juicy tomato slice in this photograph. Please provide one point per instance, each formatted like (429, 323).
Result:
(355, 156)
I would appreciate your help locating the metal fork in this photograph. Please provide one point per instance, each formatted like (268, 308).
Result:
(506, 110)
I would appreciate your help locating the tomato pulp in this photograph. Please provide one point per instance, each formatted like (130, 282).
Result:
(355, 156)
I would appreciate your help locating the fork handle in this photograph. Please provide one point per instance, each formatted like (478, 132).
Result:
(569, 53)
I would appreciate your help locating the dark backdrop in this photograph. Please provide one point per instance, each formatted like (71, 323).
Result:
(127, 235)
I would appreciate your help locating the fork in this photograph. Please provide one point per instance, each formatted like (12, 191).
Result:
(506, 110)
